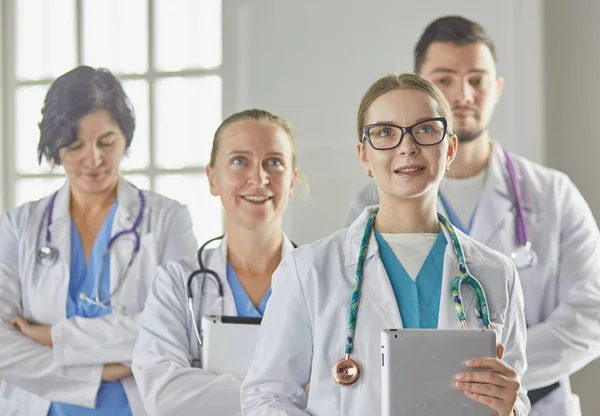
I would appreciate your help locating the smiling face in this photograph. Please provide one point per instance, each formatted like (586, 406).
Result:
(253, 172)
(92, 160)
(409, 170)
(466, 74)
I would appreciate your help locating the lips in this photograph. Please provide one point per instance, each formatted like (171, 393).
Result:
(257, 198)
(463, 112)
(408, 169)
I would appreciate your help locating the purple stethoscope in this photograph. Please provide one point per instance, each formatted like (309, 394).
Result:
(523, 256)
(47, 255)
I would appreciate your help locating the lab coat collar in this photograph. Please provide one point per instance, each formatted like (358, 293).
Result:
(357, 229)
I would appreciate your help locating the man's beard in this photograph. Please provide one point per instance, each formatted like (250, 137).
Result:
(465, 136)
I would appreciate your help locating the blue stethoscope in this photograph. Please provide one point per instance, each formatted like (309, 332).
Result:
(523, 256)
(47, 255)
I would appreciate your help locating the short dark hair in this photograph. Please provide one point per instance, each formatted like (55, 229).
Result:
(455, 29)
(73, 95)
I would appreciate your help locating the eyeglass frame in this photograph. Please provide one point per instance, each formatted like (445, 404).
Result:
(404, 130)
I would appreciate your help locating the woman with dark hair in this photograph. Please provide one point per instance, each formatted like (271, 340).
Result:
(76, 266)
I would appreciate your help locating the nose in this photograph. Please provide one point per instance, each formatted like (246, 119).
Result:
(462, 94)
(93, 156)
(258, 176)
(408, 145)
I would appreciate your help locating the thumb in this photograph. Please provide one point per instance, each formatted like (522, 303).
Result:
(17, 321)
(500, 350)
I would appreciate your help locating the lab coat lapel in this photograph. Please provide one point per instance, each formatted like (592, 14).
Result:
(219, 265)
(495, 204)
(60, 236)
(123, 247)
(376, 286)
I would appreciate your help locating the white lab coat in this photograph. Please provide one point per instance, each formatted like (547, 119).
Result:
(306, 322)
(167, 354)
(34, 375)
(561, 292)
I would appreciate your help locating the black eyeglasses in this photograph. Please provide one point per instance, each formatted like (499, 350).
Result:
(389, 136)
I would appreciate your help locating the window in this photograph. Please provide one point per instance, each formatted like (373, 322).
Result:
(167, 54)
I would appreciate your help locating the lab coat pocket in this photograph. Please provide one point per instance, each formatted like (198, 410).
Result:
(9, 407)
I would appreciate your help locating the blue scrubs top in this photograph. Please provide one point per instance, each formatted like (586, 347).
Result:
(111, 399)
(243, 303)
(418, 300)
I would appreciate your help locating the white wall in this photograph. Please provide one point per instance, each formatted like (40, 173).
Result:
(572, 66)
(312, 60)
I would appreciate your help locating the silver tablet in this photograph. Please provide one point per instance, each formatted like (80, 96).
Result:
(228, 344)
(419, 366)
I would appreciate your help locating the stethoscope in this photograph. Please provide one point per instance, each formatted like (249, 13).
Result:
(214, 277)
(523, 256)
(47, 255)
(347, 371)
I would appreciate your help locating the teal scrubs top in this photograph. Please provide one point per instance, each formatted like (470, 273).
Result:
(418, 300)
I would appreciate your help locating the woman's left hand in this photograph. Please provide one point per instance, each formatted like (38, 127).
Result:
(497, 389)
(37, 332)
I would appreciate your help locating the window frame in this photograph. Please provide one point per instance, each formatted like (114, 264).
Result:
(9, 176)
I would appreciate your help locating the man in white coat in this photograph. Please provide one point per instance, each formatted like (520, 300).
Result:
(560, 269)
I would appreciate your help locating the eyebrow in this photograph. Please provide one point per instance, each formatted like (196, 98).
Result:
(416, 122)
(443, 70)
(244, 152)
(108, 133)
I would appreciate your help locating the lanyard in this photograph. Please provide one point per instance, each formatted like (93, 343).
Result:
(346, 371)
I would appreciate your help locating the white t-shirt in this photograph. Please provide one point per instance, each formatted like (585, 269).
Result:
(462, 195)
(411, 249)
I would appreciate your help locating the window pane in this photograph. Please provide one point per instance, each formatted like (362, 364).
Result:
(34, 189)
(184, 137)
(138, 155)
(28, 105)
(141, 181)
(188, 34)
(45, 42)
(115, 35)
(205, 209)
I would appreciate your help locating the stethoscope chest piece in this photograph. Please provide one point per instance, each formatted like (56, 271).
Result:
(524, 256)
(47, 255)
(346, 371)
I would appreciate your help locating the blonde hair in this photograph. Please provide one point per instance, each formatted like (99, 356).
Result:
(252, 114)
(403, 82)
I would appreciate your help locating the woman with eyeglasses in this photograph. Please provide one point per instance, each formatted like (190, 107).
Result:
(76, 266)
(398, 261)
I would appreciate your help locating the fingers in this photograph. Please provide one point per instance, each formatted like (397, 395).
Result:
(500, 351)
(489, 390)
(19, 322)
(494, 364)
(488, 377)
(499, 405)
